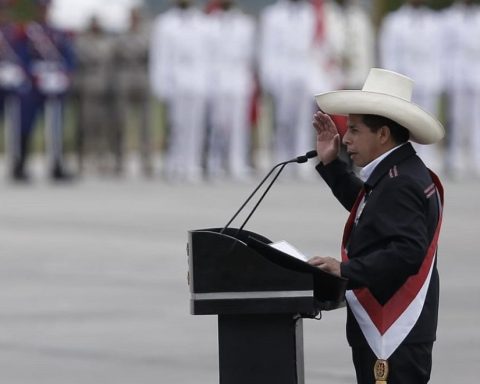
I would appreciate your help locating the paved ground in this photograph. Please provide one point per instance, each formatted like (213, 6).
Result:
(93, 280)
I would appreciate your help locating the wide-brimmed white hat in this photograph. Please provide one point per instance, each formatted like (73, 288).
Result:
(385, 93)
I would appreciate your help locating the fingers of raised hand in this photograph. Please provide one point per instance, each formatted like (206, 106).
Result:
(323, 123)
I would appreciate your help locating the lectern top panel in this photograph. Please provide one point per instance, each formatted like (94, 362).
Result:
(223, 262)
(328, 287)
(236, 271)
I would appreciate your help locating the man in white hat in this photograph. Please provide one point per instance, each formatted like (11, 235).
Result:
(390, 240)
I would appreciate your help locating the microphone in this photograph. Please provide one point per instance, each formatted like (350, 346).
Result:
(301, 159)
(311, 154)
(283, 164)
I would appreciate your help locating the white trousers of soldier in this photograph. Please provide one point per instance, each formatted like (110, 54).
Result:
(186, 140)
(428, 101)
(293, 134)
(229, 136)
(463, 150)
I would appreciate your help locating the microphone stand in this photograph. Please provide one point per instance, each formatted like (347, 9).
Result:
(261, 198)
(283, 163)
(298, 159)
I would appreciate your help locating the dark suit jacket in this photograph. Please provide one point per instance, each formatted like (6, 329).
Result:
(391, 237)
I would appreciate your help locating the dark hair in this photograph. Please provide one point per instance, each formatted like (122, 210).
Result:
(399, 133)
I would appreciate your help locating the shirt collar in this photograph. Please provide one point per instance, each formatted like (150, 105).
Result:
(368, 169)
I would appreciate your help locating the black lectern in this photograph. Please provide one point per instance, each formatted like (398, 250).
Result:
(260, 295)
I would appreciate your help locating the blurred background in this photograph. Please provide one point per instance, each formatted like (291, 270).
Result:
(113, 78)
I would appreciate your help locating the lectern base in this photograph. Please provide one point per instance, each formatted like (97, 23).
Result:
(260, 349)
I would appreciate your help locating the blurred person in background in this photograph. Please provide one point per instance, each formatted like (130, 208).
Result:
(358, 55)
(49, 59)
(131, 89)
(231, 87)
(410, 42)
(94, 85)
(462, 60)
(329, 43)
(13, 81)
(299, 53)
(178, 77)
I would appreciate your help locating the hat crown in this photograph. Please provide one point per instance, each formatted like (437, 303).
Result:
(388, 83)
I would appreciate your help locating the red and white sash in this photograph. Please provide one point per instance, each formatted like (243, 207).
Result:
(386, 326)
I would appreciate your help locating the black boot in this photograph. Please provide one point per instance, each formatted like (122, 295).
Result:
(58, 173)
(19, 174)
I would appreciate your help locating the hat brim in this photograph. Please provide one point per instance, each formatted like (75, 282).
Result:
(423, 127)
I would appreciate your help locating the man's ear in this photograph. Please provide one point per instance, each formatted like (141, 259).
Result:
(384, 134)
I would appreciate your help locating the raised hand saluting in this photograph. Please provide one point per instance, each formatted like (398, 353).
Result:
(328, 138)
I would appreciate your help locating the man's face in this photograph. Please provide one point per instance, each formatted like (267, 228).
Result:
(362, 144)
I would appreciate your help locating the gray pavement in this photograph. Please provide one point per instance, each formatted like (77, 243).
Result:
(93, 280)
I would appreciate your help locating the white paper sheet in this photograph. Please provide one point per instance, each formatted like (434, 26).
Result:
(288, 248)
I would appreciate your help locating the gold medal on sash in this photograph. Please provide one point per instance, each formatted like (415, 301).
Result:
(380, 371)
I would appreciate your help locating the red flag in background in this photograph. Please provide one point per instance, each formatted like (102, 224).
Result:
(320, 20)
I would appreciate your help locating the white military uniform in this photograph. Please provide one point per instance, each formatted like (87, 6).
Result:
(462, 60)
(410, 43)
(231, 52)
(359, 51)
(292, 68)
(178, 77)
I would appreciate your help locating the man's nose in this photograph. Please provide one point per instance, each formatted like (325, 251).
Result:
(346, 138)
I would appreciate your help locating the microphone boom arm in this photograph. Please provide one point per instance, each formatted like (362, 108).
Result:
(251, 195)
(298, 159)
(261, 197)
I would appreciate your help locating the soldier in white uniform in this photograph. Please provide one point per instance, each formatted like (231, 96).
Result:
(359, 50)
(462, 60)
(132, 89)
(231, 47)
(410, 43)
(294, 64)
(357, 54)
(178, 77)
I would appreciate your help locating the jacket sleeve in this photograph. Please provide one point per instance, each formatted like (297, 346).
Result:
(343, 183)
